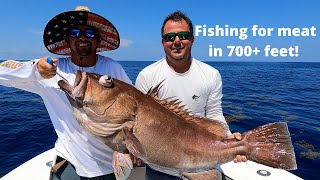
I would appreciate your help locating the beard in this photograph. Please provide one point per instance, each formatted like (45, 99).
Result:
(84, 51)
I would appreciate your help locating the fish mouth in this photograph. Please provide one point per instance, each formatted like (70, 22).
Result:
(77, 91)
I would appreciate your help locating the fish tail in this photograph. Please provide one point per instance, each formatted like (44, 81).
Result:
(271, 145)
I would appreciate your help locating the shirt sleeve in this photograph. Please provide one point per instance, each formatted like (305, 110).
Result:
(141, 83)
(214, 107)
(124, 76)
(21, 75)
(114, 69)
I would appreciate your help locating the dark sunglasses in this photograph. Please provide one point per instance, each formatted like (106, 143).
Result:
(89, 33)
(169, 37)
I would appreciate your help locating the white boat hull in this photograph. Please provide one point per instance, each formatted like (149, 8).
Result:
(39, 168)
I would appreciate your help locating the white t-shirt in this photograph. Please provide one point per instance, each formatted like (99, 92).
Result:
(200, 88)
(90, 156)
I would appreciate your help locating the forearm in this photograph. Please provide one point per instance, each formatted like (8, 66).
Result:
(214, 103)
(22, 75)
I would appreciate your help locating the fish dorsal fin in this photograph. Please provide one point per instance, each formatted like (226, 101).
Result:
(174, 105)
(153, 91)
(214, 126)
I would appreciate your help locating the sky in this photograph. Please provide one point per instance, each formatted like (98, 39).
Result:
(139, 22)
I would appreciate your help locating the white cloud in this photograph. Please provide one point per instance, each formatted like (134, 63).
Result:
(36, 32)
(125, 42)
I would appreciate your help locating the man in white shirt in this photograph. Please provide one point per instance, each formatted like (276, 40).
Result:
(79, 34)
(197, 85)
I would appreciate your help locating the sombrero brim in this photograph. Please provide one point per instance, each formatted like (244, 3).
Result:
(58, 27)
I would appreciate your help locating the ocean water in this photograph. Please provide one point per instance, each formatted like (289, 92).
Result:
(255, 93)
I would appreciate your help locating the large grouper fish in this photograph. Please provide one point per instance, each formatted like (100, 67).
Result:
(164, 135)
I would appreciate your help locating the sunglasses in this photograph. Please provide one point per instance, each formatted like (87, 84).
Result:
(89, 33)
(170, 37)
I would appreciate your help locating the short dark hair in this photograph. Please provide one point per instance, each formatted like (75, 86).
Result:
(177, 16)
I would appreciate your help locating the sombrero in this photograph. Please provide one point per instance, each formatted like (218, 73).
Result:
(58, 27)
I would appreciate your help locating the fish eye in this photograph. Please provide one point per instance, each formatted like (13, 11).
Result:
(106, 81)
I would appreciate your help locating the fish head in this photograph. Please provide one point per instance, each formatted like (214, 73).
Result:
(92, 94)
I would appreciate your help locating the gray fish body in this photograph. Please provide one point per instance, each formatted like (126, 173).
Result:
(162, 134)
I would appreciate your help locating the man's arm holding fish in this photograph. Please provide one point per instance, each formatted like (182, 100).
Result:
(213, 108)
(214, 111)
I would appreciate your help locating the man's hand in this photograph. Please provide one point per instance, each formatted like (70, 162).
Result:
(239, 158)
(45, 69)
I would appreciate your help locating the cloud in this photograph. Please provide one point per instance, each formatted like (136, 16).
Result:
(36, 32)
(125, 42)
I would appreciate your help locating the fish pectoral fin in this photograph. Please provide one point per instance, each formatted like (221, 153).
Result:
(205, 175)
(133, 144)
(122, 165)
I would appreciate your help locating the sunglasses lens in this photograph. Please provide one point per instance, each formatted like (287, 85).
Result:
(75, 33)
(184, 35)
(169, 37)
(90, 33)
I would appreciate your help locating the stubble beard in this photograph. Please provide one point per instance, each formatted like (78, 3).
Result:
(84, 51)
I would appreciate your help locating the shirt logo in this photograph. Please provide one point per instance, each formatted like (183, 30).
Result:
(195, 97)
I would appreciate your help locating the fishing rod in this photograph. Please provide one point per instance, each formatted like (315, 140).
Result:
(50, 61)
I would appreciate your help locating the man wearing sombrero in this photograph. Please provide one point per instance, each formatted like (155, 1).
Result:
(79, 35)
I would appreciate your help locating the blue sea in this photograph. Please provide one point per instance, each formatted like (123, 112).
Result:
(255, 93)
